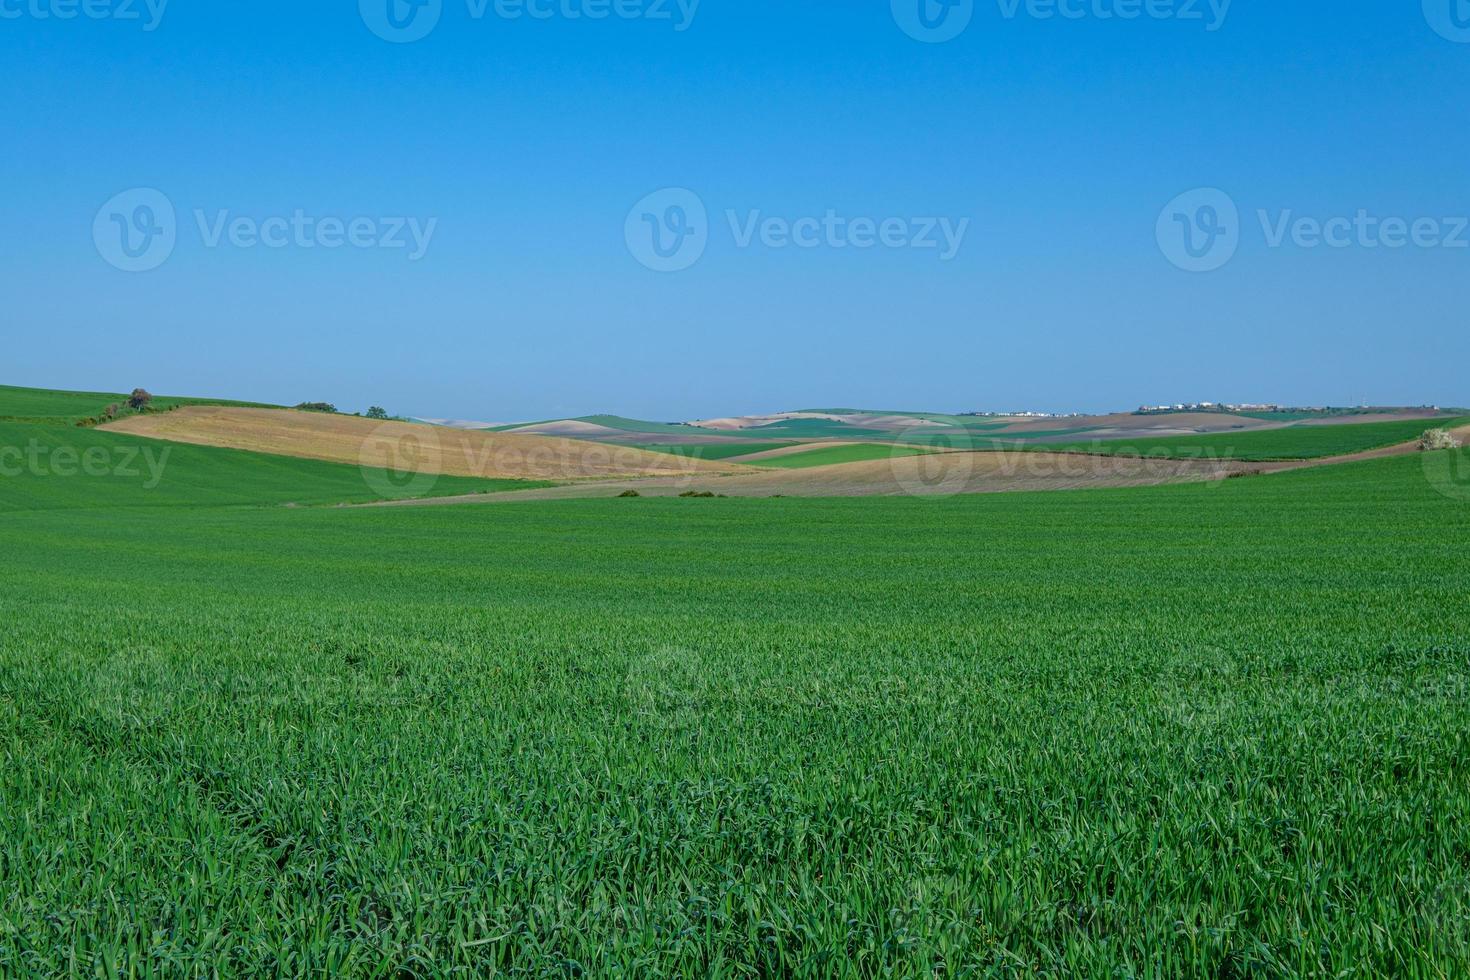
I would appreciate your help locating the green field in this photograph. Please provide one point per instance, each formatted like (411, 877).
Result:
(1204, 730)
(46, 467)
(830, 455)
(1293, 442)
(62, 407)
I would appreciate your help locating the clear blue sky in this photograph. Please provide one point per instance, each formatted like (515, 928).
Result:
(529, 140)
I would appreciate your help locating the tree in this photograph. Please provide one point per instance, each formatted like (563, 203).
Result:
(1435, 439)
(139, 399)
(326, 407)
(377, 412)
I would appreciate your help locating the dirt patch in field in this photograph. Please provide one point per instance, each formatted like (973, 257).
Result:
(940, 474)
(407, 446)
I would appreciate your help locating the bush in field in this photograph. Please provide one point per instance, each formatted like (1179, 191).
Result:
(326, 407)
(139, 399)
(1437, 439)
(377, 412)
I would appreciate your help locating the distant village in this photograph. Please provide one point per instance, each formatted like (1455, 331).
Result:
(1224, 408)
(1260, 409)
(1219, 407)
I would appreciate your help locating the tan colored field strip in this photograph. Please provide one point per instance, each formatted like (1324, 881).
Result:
(939, 474)
(407, 446)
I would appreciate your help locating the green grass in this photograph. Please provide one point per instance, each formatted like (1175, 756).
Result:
(61, 407)
(1294, 442)
(1184, 731)
(829, 455)
(51, 467)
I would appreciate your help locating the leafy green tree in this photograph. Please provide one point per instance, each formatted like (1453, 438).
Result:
(377, 412)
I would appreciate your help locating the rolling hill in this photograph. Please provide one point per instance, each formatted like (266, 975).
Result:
(430, 449)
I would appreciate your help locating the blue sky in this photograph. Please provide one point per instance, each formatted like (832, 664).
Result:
(1061, 144)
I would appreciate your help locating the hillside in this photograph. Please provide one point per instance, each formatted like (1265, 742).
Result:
(47, 467)
(428, 449)
(65, 407)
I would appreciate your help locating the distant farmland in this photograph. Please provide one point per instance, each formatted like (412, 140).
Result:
(1296, 442)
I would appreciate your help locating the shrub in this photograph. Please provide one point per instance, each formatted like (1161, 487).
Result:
(139, 399)
(326, 407)
(630, 493)
(1437, 439)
